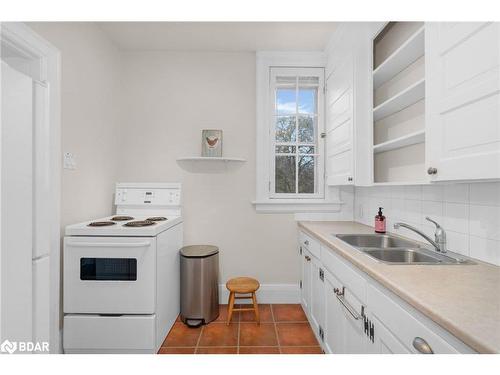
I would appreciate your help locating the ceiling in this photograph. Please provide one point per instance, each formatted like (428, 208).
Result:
(219, 36)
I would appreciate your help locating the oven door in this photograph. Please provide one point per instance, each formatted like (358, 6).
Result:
(109, 275)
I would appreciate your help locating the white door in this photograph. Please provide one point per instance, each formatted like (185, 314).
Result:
(334, 327)
(317, 297)
(463, 100)
(384, 341)
(339, 129)
(16, 205)
(305, 291)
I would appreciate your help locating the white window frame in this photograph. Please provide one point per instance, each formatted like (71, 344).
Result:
(320, 128)
(330, 201)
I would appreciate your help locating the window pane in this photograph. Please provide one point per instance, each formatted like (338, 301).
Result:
(285, 149)
(306, 149)
(285, 129)
(285, 101)
(285, 174)
(306, 174)
(307, 100)
(306, 129)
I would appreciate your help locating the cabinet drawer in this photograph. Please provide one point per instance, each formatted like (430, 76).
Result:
(109, 334)
(310, 244)
(405, 326)
(343, 271)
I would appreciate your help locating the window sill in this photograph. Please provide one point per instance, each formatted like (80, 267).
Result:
(278, 206)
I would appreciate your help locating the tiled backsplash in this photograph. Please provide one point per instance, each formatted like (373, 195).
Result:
(469, 213)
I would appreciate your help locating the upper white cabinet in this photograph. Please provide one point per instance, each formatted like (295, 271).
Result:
(413, 103)
(347, 97)
(463, 101)
(398, 110)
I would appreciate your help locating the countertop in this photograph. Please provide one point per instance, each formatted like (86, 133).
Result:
(463, 299)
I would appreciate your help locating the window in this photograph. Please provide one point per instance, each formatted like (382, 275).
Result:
(296, 123)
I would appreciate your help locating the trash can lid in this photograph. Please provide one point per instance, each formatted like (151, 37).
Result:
(199, 251)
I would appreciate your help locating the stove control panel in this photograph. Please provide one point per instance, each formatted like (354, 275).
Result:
(144, 196)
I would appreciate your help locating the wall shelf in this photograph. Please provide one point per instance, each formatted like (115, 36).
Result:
(409, 52)
(400, 101)
(406, 140)
(200, 164)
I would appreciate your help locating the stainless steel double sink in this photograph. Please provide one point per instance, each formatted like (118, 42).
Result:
(394, 250)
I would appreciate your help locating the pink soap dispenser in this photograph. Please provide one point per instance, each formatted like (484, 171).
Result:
(380, 221)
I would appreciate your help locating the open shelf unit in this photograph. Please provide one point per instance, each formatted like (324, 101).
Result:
(398, 67)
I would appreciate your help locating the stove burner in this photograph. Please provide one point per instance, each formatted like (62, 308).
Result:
(139, 223)
(157, 218)
(122, 218)
(101, 224)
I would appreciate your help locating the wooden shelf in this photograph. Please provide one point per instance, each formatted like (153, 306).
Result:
(400, 101)
(406, 54)
(406, 140)
(200, 164)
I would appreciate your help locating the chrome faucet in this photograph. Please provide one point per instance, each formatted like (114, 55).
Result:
(440, 235)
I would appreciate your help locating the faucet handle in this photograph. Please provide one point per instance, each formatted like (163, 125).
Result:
(432, 221)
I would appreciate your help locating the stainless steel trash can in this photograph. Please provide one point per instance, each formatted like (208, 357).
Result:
(199, 284)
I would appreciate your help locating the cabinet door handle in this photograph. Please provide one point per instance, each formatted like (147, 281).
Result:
(422, 346)
(308, 258)
(340, 296)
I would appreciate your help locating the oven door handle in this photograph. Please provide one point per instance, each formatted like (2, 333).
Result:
(109, 244)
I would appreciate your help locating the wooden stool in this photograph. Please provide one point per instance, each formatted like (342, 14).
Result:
(242, 285)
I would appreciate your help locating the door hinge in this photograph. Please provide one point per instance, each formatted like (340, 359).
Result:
(269, 187)
(369, 328)
(321, 274)
(300, 250)
(300, 284)
(321, 333)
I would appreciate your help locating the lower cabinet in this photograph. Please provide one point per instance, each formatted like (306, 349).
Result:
(351, 313)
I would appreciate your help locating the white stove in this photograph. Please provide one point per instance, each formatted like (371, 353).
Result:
(121, 273)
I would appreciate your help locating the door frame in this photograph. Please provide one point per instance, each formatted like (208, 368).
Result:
(46, 65)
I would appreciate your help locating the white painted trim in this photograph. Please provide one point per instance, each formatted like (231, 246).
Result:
(268, 293)
(294, 206)
(264, 61)
(27, 41)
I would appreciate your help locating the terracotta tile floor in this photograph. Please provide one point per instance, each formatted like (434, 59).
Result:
(283, 330)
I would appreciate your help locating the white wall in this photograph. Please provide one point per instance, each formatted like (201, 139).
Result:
(89, 124)
(169, 97)
(470, 213)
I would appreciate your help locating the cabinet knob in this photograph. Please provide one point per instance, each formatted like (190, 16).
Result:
(323, 135)
(306, 242)
(422, 346)
(308, 258)
(432, 170)
(349, 179)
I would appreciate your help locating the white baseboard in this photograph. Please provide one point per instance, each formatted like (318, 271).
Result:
(268, 293)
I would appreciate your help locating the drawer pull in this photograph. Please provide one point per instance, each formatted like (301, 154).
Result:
(422, 346)
(340, 296)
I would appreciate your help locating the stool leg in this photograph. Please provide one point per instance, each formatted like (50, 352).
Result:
(230, 307)
(256, 308)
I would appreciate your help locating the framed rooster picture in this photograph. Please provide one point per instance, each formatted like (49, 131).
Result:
(211, 143)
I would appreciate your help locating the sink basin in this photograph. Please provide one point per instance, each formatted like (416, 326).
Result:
(404, 256)
(394, 250)
(381, 241)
